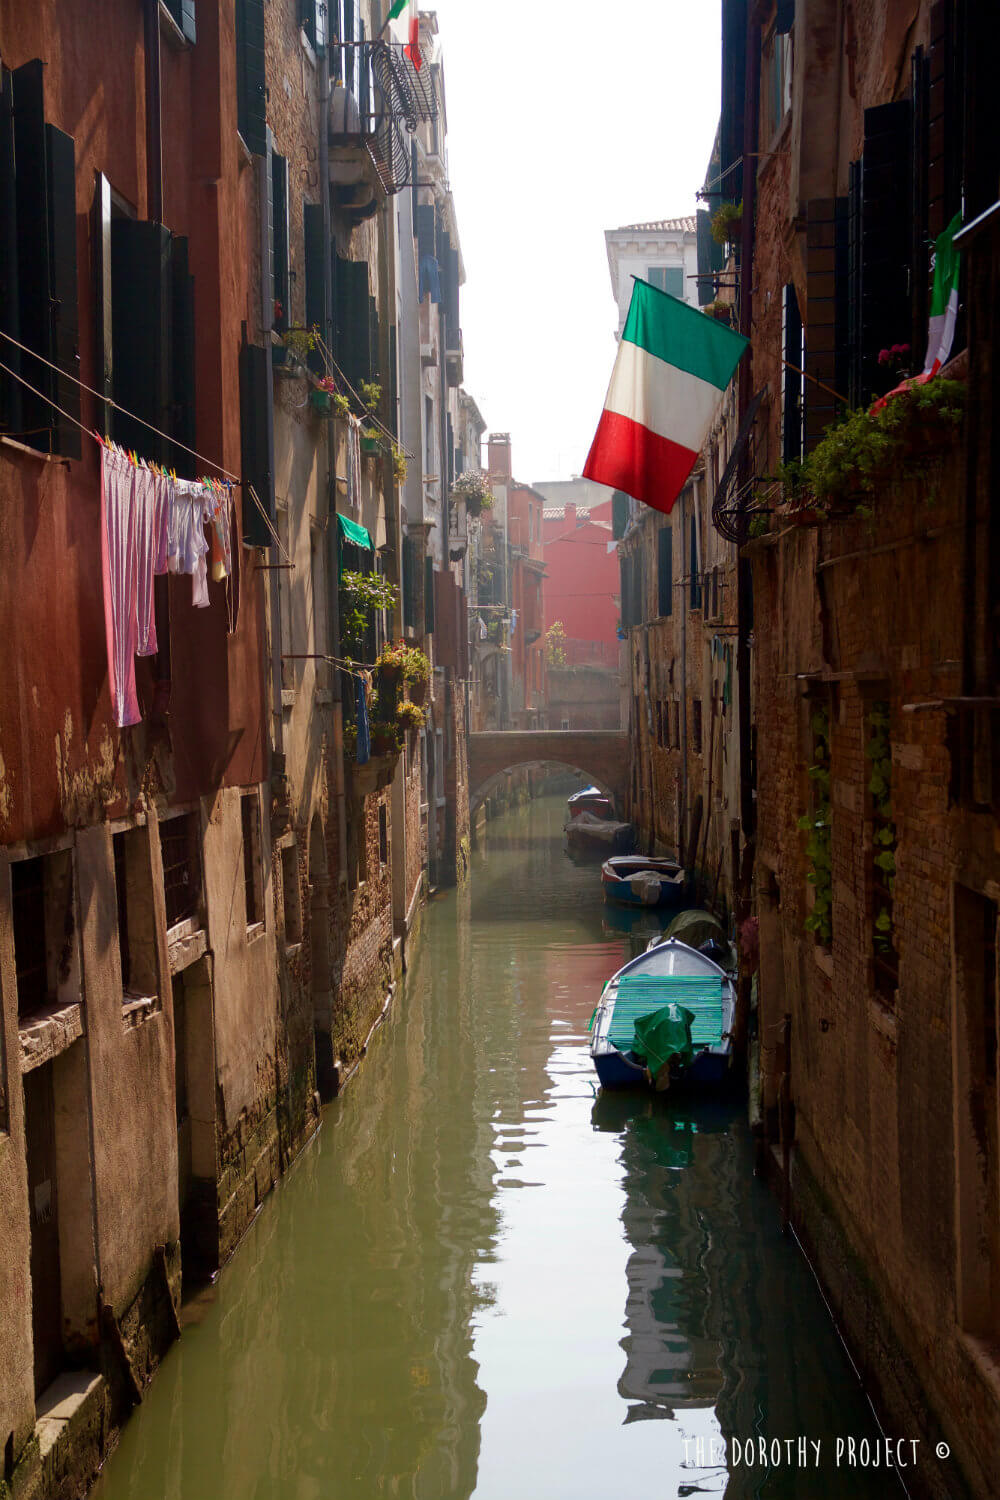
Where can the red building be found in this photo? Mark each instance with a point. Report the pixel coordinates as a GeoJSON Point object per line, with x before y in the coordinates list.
{"type": "Point", "coordinates": [582, 587]}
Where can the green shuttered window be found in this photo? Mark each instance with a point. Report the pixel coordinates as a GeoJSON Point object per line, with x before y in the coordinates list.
{"type": "Point", "coordinates": [251, 90]}
{"type": "Point", "coordinates": [665, 570]}
{"type": "Point", "coordinates": [257, 445]}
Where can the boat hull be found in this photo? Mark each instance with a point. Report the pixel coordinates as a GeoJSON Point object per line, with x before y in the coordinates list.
{"type": "Point", "coordinates": [706, 1070]}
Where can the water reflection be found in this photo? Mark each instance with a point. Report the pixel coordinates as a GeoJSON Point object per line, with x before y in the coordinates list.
{"type": "Point", "coordinates": [484, 1279]}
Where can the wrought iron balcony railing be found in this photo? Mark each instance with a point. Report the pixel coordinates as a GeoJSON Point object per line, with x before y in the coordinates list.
{"type": "Point", "coordinates": [378, 103]}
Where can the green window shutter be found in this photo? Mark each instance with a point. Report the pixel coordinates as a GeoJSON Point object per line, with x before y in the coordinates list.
{"type": "Point", "coordinates": [409, 579]}
{"type": "Point", "coordinates": [312, 19]}
{"type": "Point", "coordinates": [141, 325]}
{"type": "Point", "coordinates": [64, 334]}
{"type": "Point", "coordinates": [279, 239]}
{"type": "Point", "coordinates": [424, 223]}
{"type": "Point", "coordinates": [428, 596]}
{"type": "Point", "coordinates": [791, 380]}
{"type": "Point", "coordinates": [711, 258]}
{"type": "Point", "coordinates": [251, 88]}
{"type": "Point", "coordinates": [10, 389]}
{"type": "Point", "coordinates": [183, 362]}
{"type": "Point", "coordinates": [353, 328]}
{"type": "Point", "coordinates": [665, 570]}
{"type": "Point", "coordinates": [619, 514]}
{"type": "Point", "coordinates": [695, 575]}
{"type": "Point", "coordinates": [315, 253]}
{"type": "Point", "coordinates": [34, 293]}
{"type": "Point", "coordinates": [257, 444]}
{"type": "Point", "coordinates": [625, 569]}
{"type": "Point", "coordinates": [673, 281]}
{"type": "Point", "coordinates": [374, 358]}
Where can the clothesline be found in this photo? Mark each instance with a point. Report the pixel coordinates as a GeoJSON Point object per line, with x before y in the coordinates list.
{"type": "Point", "coordinates": [234, 478]}
{"type": "Point", "coordinates": [370, 417]}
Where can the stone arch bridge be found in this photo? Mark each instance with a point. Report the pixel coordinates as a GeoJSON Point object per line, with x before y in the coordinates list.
{"type": "Point", "coordinates": [601, 755]}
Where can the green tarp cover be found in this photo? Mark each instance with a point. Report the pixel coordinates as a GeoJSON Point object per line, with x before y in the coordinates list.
{"type": "Point", "coordinates": [696, 927]}
{"type": "Point", "coordinates": [702, 995]}
{"type": "Point", "coordinates": [352, 532]}
{"type": "Point", "coordinates": [663, 1035]}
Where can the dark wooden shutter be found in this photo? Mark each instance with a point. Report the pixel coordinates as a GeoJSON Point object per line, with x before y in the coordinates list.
{"type": "Point", "coordinates": [10, 322]}
{"type": "Point", "coordinates": [424, 220]}
{"type": "Point", "coordinates": [944, 122]}
{"type": "Point", "coordinates": [183, 13]}
{"type": "Point", "coordinates": [827, 301]}
{"type": "Point", "coordinates": [257, 443]}
{"type": "Point", "coordinates": [414, 176]}
{"type": "Point", "coordinates": [374, 352]}
{"type": "Point", "coordinates": [34, 291]}
{"type": "Point", "coordinates": [316, 250]}
{"type": "Point", "coordinates": [352, 321]}
{"type": "Point", "coordinates": [409, 579]}
{"type": "Point", "coordinates": [665, 570]}
{"type": "Point", "coordinates": [312, 19]}
{"type": "Point", "coordinates": [451, 450]}
{"type": "Point", "coordinates": [64, 331]}
{"type": "Point", "coordinates": [142, 319]}
{"type": "Point", "coordinates": [711, 258]}
{"type": "Point", "coordinates": [695, 575]}
{"type": "Point", "coordinates": [251, 89]}
{"type": "Point", "coordinates": [350, 58]}
{"type": "Point", "coordinates": [100, 259]}
{"type": "Point", "coordinates": [183, 361]}
{"type": "Point", "coordinates": [279, 238]}
{"type": "Point", "coordinates": [453, 330]}
{"type": "Point", "coordinates": [785, 16]}
{"type": "Point", "coordinates": [919, 242]}
{"type": "Point", "coordinates": [625, 570]}
{"type": "Point", "coordinates": [791, 380]}
{"type": "Point", "coordinates": [428, 596]}
{"type": "Point", "coordinates": [619, 514]}
{"type": "Point", "coordinates": [886, 207]}
{"type": "Point", "coordinates": [393, 396]}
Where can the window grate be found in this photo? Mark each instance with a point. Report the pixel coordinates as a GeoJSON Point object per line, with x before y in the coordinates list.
{"type": "Point", "coordinates": [179, 846]}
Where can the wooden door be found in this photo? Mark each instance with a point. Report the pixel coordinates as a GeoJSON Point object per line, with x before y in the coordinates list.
{"type": "Point", "coordinates": [46, 1282]}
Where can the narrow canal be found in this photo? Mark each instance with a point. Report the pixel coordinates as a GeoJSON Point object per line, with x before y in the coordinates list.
{"type": "Point", "coordinates": [483, 1279]}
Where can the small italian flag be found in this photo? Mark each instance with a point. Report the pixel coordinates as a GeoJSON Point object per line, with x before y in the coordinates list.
{"type": "Point", "coordinates": [673, 366]}
{"type": "Point", "coordinates": [412, 48]}
{"type": "Point", "coordinates": [944, 299]}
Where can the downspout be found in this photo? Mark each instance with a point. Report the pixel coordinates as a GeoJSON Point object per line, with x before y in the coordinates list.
{"type": "Point", "coordinates": [682, 813]}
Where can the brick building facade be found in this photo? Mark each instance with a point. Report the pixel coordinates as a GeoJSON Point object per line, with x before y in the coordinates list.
{"type": "Point", "coordinates": [874, 691]}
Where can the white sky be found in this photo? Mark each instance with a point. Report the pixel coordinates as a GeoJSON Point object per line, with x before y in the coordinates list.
{"type": "Point", "coordinates": [565, 118]}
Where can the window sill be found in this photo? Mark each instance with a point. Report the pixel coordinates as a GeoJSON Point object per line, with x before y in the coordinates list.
{"type": "Point", "coordinates": [138, 1008]}
{"type": "Point", "coordinates": [307, 48]}
{"type": "Point", "coordinates": [171, 32]}
{"type": "Point", "coordinates": [185, 946]}
{"type": "Point", "coordinates": [44, 458]}
{"type": "Point", "coordinates": [48, 1033]}
{"type": "Point", "coordinates": [255, 931]}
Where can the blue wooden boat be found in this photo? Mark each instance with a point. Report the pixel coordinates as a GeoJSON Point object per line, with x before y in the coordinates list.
{"type": "Point", "coordinates": [638, 880]}
{"type": "Point", "coordinates": [669, 992]}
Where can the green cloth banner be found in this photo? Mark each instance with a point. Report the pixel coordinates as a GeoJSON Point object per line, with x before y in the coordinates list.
{"type": "Point", "coordinates": [353, 533]}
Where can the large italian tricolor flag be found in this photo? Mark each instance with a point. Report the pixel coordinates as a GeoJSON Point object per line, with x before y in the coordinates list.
{"type": "Point", "coordinates": [673, 365]}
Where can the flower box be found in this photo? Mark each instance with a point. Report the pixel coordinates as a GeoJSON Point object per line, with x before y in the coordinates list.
{"type": "Point", "coordinates": [320, 401]}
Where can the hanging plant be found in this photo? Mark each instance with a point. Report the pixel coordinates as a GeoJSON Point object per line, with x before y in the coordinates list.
{"type": "Point", "coordinates": [866, 450]}
{"type": "Point", "coordinates": [818, 825]}
{"type": "Point", "coordinates": [370, 440]}
{"type": "Point", "coordinates": [726, 222]}
{"type": "Point", "coordinates": [399, 464]}
{"type": "Point", "coordinates": [361, 595]}
{"type": "Point", "coordinates": [721, 311]}
{"type": "Point", "coordinates": [370, 392]}
{"type": "Point", "coordinates": [474, 490]}
{"type": "Point", "coordinates": [300, 343]}
{"type": "Point", "coordinates": [411, 716]}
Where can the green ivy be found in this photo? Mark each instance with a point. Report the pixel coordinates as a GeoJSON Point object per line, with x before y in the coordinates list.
{"type": "Point", "coordinates": [818, 823]}
{"type": "Point", "coordinates": [361, 594]}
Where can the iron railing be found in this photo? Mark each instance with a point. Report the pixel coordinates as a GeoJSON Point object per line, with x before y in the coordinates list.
{"type": "Point", "coordinates": [384, 100]}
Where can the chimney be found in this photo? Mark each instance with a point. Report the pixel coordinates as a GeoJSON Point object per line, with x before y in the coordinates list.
{"type": "Point", "coordinates": [499, 457]}
{"type": "Point", "coordinates": [570, 513]}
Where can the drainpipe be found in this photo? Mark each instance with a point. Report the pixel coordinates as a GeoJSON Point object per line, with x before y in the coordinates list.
{"type": "Point", "coordinates": [682, 812]}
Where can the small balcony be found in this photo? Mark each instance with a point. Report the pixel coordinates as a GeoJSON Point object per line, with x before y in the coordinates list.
{"type": "Point", "coordinates": [375, 107]}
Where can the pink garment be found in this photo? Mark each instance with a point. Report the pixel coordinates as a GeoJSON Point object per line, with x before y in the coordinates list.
{"type": "Point", "coordinates": [145, 549]}
{"type": "Point", "coordinates": [119, 573]}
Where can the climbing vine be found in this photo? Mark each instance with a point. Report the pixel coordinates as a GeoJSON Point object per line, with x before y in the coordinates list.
{"type": "Point", "coordinates": [878, 751]}
{"type": "Point", "coordinates": [817, 823]}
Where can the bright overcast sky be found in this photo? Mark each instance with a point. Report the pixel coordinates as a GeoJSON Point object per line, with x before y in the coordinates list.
{"type": "Point", "coordinates": [564, 120]}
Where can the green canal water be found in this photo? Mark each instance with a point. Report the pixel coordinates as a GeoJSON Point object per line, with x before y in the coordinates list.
{"type": "Point", "coordinates": [482, 1278]}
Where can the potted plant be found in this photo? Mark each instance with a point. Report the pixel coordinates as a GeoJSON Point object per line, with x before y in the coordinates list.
{"type": "Point", "coordinates": [361, 594]}
{"type": "Point", "coordinates": [474, 490]}
{"type": "Point", "coordinates": [391, 662]}
{"type": "Point", "coordinates": [726, 223]}
{"type": "Point", "coordinates": [411, 716]}
{"type": "Point", "coordinates": [399, 465]}
{"type": "Point", "coordinates": [370, 441]}
{"type": "Point", "coordinates": [300, 343]}
{"type": "Point", "coordinates": [385, 739]}
{"type": "Point", "coordinates": [341, 405]}
{"type": "Point", "coordinates": [722, 312]}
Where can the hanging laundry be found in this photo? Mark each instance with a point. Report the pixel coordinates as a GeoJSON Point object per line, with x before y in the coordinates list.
{"type": "Point", "coordinates": [430, 279]}
{"type": "Point", "coordinates": [118, 571]}
{"type": "Point", "coordinates": [187, 545]}
{"type": "Point", "coordinates": [354, 465]}
{"type": "Point", "coordinates": [363, 751]}
{"type": "Point", "coordinates": [145, 500]}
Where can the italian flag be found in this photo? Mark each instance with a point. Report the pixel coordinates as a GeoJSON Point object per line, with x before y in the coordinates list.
{"type": "Point", "coordinates": [673, 365]}
{"type": "Point", "coordinates": [412, 48]}
{"type": "Point", "coordinates": [944, 299]}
